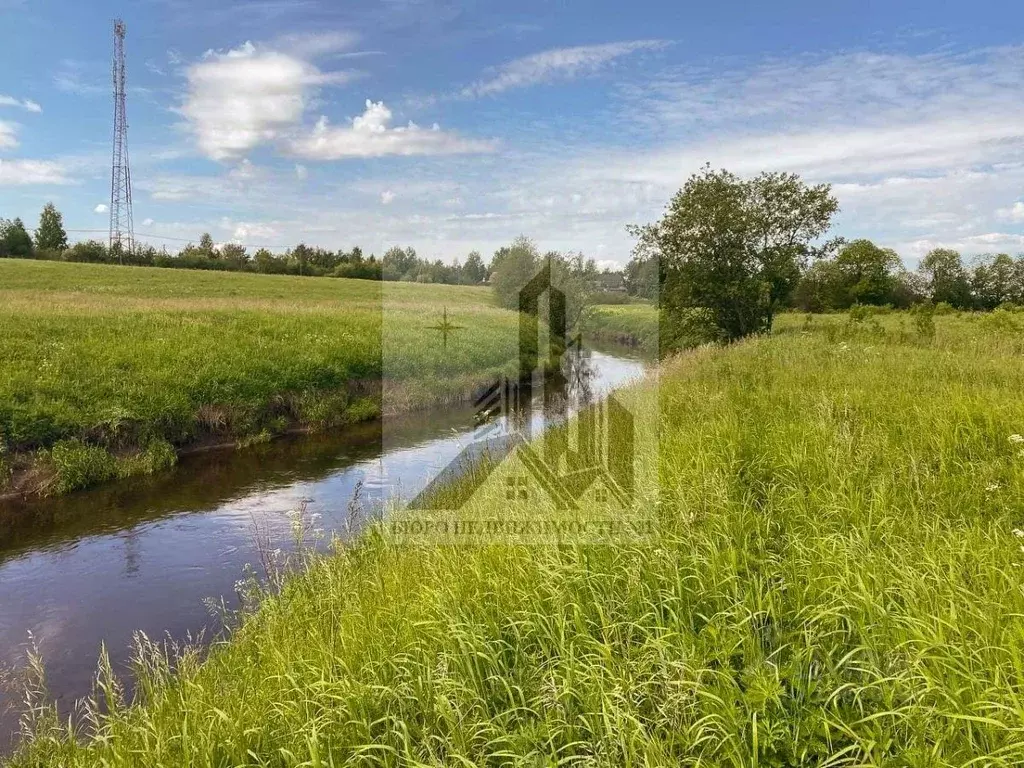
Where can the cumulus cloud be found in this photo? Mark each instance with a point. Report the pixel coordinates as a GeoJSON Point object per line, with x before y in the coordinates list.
{"type": "Point", "coordinates": [147, 222]}
{"type": "Point", "coordinates": [301, 172]}
{"type": "Point", "coordinates": [555, 64]}
{"type": "Point", "coordinates": [8, 139]}
{"type": "Point", "coordinates": [370, 136]}
{"type": "Point", "coordinates": [32, 172]}
{"type": "Point", "coordinates": [248, 96]}
{"type": "Point", "coordinates": [387, 197]}
{"type": "Point", "coordinates": [27, 104]}
{"type": "Point", "coordinates": [101, 208]}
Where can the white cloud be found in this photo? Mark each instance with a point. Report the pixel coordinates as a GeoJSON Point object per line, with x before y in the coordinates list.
{"type": "Point", "coordinates": [371, 136]}
{"type": "Point", "coordinates": [147, 222]}
{"type": "Point", "coordinates": [1013, 213]}
{"type": "Point", "coordinates": [555, 64]}
{"type": "Point", "coordinates": [314, 44]}
{"type": "Point", "coordinates": [26, 104]}
{"type": "Point", "coordinates": [247, 231]}
{"type": "Point", "coordinates": [387, 197]}
{"type": "Point", "coordinates": [248, 96]}
{"type": "Point", "coordinates": [245, 171]}
{"type": "Point", "coordinates": [8, 137]}
{"type": "Point", "coordinates": [32, 172]}
{"type": "Point", "coordinates": [301, 172]}
{"type": "Point", "coordinates": [101, 208]}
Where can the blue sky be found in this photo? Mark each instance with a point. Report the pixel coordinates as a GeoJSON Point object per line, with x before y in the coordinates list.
{"type": "Point", "coordinates": [453, 126]}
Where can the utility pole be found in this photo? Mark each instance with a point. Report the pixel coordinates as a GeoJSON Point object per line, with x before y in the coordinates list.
{"type": "Point", "coordinates": [121, 228]}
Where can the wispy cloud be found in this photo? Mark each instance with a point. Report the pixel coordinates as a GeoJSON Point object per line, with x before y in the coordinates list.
{"type": "Point", "coordinates": [77, 78]}
{"type": "Point", "coordinates": [27, 104]}
{"type": "Point", "coordinates": [312, 45]}
{"type": "Point", "coordinates": [8, 135]}
{"type": "Point", "coordinates": [370, 135]}
{"type": "Point", "coordinates": [32, 172]}
{"type": "Point", "coordinates": [554, 65]}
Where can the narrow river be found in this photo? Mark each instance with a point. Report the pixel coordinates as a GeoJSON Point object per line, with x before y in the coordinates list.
{"type": "Point", "coordinates": [97, 566]}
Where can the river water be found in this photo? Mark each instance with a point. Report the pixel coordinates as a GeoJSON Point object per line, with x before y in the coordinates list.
{"type": "Point", "coordinates": [147, 554]}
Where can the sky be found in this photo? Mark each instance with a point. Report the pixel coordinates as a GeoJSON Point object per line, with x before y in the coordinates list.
{"type": "Point", "coordinates": [454, 126]}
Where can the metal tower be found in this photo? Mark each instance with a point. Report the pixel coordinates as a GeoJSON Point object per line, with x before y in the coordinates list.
{"type": "Point", "coordinates": [121, 228]}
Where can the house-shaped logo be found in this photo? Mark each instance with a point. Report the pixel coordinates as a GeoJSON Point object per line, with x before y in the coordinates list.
{"type": "Point", "coordinates": [591, 457]}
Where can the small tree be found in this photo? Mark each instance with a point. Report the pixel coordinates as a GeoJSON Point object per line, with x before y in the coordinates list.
{"type": "Point", "coordinates": [733, 249]}
{"type": "Point", "coordinates": [474, 271]}
{"type": "Point", "coordinates": [206, 246]}
{"type": "Point", "coordinates": [51, 235]}
{"type": "Point", "coordinates": [514, 265]}
{"type": "Point", "coordinates": [14, 239]}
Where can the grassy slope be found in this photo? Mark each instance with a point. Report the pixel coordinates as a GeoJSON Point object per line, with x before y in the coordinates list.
{"type": "Point", "coordinates": [633, 324]}
{"type": "Point", "coordinates": [836, 575]}
{"type": "Point", "coordinates": [120, 356]}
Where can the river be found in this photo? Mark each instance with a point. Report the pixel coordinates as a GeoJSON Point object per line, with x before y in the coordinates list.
{"type": "Point", "coordinates": [96, 566]}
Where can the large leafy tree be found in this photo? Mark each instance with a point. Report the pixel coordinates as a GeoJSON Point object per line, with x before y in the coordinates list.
{"type": "Point", "coordinates": [14, 239]}
{"type": "Point", "coordinates": [734, 248]}
{"type": "Point", "coordinates": [51, 235]}
{"type": "Point", "coordinates": [993, 280]}
{"type": "Point", "coordinates": [868, 273]}
{"type": "Point", "coordinates": [946, 277]}
{"type": "Point", "coordinates": [399, 263]}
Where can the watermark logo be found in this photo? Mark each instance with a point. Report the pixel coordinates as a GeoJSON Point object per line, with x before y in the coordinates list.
{"type": "Point", "coordinates": [548, 460]}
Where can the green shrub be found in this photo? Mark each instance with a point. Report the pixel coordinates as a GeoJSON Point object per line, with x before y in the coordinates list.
{"type": "Point", "coordinates": [157, 456]}
{"type": "Point", "coordinates": [77, 465]}
{"type": "Point", "coordinates": [924, 319]}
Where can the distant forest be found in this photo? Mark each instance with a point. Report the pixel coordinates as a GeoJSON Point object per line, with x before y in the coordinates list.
{"type": "Point", "coordinates": [857, 272]}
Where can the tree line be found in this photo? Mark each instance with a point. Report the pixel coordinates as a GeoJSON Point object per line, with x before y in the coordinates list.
{"type": "Point", "coordinates": [729, 253]}
{"type": "Point", "coordinates": [51, 243]}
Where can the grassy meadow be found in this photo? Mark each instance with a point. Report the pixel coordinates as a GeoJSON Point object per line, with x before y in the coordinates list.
{"type": "Point", "coordinates": [107, 371]}
{"type": "Point", "coordinates": [834, 579]}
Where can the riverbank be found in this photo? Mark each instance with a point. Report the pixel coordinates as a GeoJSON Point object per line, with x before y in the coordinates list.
{"type": "Point", "coordinates": [833, 578]}
{"type": "Point", "coordinates": [115, 371]}
{"type": "Point", "coordinates": [632, 325]}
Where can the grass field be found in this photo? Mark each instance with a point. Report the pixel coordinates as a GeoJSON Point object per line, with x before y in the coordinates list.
{"type": "Point", "coordinates": [835, 579]}
{"type": "Point", "coordinates": [107, 371]}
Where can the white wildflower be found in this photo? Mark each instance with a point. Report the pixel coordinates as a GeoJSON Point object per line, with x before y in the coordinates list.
{"type": "Point", "coordinates": [1016, 438]}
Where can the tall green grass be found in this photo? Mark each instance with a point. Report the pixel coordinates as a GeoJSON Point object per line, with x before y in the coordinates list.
{"type": "Point", "coordinates": [835, 579]}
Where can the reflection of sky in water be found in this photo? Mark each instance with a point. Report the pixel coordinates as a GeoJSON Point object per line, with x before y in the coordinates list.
{"type": "Point", "coordinates": [152, 574]}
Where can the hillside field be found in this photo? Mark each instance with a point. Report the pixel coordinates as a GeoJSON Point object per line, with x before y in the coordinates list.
{"type": "Point", "coordinates": [107, 371]}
